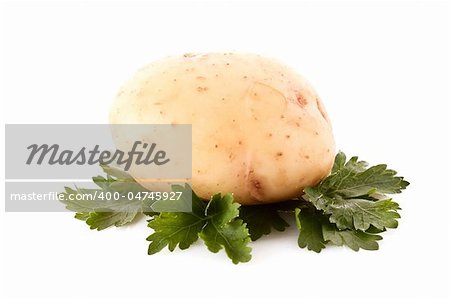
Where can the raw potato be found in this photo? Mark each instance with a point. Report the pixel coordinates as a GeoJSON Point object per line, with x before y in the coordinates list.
{"type": "Point", "coordinates": [259, 130]}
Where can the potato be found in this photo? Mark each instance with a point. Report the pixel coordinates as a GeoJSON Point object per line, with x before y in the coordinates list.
{"type": "Point", "coordinates": [259, 130]}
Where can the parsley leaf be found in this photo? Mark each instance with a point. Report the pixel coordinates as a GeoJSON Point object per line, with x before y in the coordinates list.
{"type": "Point", "coordinates": [177, 228]}
{"type": "Point", "coordinates": [172, 229]}
{"type": "Point", "coordinates": [354, 239]}
{"type": "Point", "coordinates": [353, 178]}
{"type": "Point", "coordinates": [98, 213]}
{"type": "Point", "coordinates": [102, 220]}
{"type": "Point", "coordinates": [350, 195]}
{"type": "Point", "coordinates": [309, 223]}
{"type": "Point", "coordinates": [361, 214]}
{"type": "Point", "coordinates": [261, 219]}
{"type": "Point", "coordinates": [355, 213]}
{"type": "Point", "coordinates": [315, 231]}
{"type": "Point", "coordinates": [223, 230]}
{"type": "Point", "coordinates": [216, 223]}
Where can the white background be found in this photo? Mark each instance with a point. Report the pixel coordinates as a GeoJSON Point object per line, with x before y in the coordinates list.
{"type": "Point", "coordinates": [382, 70]}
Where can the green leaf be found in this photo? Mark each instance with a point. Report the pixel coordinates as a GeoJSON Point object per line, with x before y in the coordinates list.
{"type": "Point", "coordinates": [216, 223]}
{"type": "Point", "coordinates": [100, 213]}
{"type": "Point", "coordinates": [117, 173]}
{"type": "Point", "coordinates": [260, 219]}
{"type": "Point", "coordinates": [102, 220]}
{"type": "Point", "coordinates": [315, 231]}
{"type": "Point", "coordinates": [353, 179]}
{"type": "Point", "coordinates": [354, 239]}
{"type": "Point", "coordinates": [354, 195]}
{"type": "Point", "coordinates": [223, 230]}
{"type": "Point", "coordinates": [361, 214]}
{"type": "Point", "coordinates": [356, 213]}
{"type": "Point", "coordinates": [339, 162]}
{"type": "Point", "coordinates": [172, 229]}
{"type": "Point", "coordinates": [82, 216]}
{"type": "Point", "coordinates": [177, 228]}
{"type": "Point", "coordinates": [309, 223]}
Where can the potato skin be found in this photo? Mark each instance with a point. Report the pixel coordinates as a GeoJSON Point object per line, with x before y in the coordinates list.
{"type": "Point", "coordinates": [259, 130]}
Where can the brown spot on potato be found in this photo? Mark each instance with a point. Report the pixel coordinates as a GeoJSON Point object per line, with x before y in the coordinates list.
{"type": "Point", "coordinates": [189, 55]}
{"type": "Point", "coordinates": [270, 134]}
{"type": "Point", "coordinates": [202, 89]}
{"type": "Point", "coordinates": [306, 157]}
{"type": "Point", "coordinates": [256, 185]}
{"type": "Point", "coordinates": [301, 100]}
{"type": "Point", "coordinates": [288, 136]}
{"type": "Point", "coordinates": [240, 142]}
{"type": "Point", "coordinates": [256, 190]}
{"type": "Point", "coordinates": [279, 154]}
